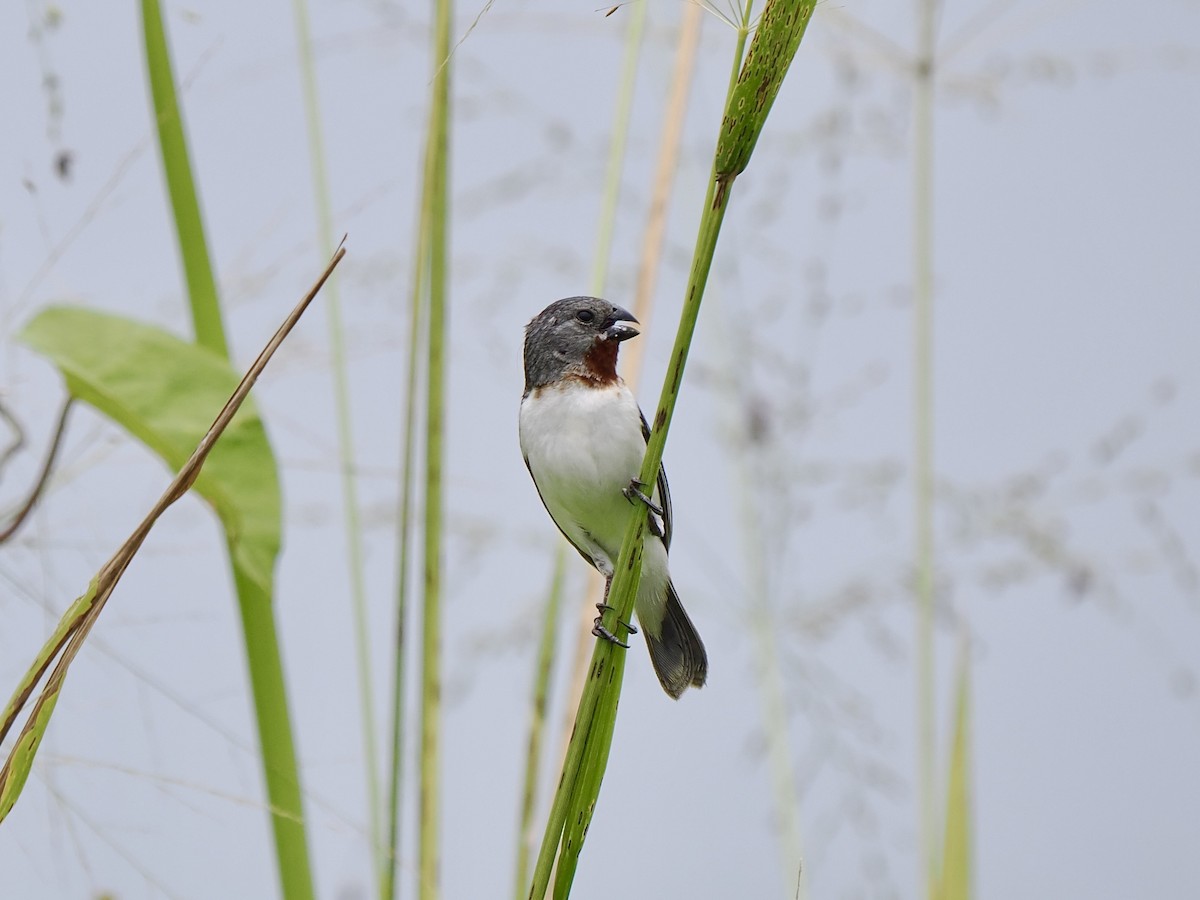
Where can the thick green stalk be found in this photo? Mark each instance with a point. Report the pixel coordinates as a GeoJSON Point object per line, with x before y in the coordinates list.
{"type": "Point", "coordinates": [189, 224]}
{"type": "Point", "coordinates": [263, 658]}
{"type": "Point", "coordinates": [923, 75]}
{"type": "Point", "coordinates": [275, 737]}
{"type": "Point", "coordinates": [537, 720]}
{"type": "Point", "coordinates": [428, 862]}
{"type": "Point", "coordinates": [352, 519]}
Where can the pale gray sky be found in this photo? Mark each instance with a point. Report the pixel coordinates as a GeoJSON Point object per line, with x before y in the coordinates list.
{"type": "Point", "coordinates": [1068, 392]}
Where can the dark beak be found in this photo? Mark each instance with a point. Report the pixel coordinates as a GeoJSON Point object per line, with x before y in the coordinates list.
{"type": "Point", "coordinates": [620, 325]}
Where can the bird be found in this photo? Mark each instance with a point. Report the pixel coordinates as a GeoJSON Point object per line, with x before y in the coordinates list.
{"type": "Point", "coordinates": [583, 437]}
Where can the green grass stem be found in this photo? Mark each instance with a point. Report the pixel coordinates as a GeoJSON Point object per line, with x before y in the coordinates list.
{"type": "Point", "coordinates": [537, 719]}
{"type": "Point", "coordinates": [954, 871]}
{"type": "Point", "coordinates": [181, 187]}
{"type": "Point", "coordinates": [439, 127]}
{"type": "Point", "coordinates": [404, 519]}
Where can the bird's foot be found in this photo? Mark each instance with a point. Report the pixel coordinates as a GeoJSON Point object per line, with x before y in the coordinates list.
{"type": "Point", "coordinates": [604, 607]}
{"type": "Point", "coordinates": [600, 631]}
{"type": "Point", "coordinates": [635, 492]}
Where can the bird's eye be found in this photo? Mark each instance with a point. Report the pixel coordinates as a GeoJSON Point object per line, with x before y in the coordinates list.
{"type": "Point", "coordinates": [585, 316]}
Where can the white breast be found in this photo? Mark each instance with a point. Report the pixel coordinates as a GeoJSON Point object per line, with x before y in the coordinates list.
{"type": "Point", "coordinates": [584, 445]}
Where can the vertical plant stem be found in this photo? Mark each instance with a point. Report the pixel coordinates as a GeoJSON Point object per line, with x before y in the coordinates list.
{"type": "Point", "coordinates": [537, 720]}
{"type": "Point", "coordinates": [263, 658]}
{"type": "Point", "coordinates": [954, 871]}
{"type": "Point", "coordinates": [185, 206]}
{"type": "Point", "coordinates": [275, 737]}
{"type": "Point", "coordinates": [923, 82]}
{"type": "Point", "coordinates": [345, 432]}
{"type": "Point", "coordinates": [404, 519]}
{"type": "Point", "coordinates": [428, 862]}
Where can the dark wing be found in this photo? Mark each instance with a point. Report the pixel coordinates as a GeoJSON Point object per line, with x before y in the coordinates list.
{"type": "Point", "coordinates": [662, 529]}
{"type": "Point", "coordinates": [586, 556]}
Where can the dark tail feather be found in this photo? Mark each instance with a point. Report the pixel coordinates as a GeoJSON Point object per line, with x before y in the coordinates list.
{"type": "Point", "coordinates": [677, 652]}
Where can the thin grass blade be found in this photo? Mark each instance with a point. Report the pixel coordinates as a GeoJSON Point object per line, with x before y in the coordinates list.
{"type": "Point", "coordinates": [429, 814]}
{"type": "Point", "coordinates": [954, 879]}
{"type": "Point", "coordinates": [537, 719]}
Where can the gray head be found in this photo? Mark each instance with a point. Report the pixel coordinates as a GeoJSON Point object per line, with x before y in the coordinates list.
{"type": "Point", "coordinates": [577, 336]}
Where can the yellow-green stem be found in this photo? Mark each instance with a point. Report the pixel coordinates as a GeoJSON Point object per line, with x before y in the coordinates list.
{"type": "Point", "coordinates": [537, 719]}
{"type": "Point", "coordinates": [404, 517]}
{"type": "Point", "coordinates": [429, 814]}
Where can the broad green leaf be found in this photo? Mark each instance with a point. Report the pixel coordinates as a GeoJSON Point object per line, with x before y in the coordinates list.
{"type": "Point", "coordinates": [954, 879]}
{"type": "Point", "coordinates": [166, 392]}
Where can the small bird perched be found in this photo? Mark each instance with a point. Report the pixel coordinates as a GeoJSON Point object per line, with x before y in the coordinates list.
{"type": "Point", "coordinates": [583, 438]}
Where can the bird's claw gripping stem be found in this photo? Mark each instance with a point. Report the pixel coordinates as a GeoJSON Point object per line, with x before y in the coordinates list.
{"type": "Point", "coordinates": [634, 491]}
{"type": "Point", "coordinates": [600, 631]}
{"type": "Point", "coordinates": [604, 607]}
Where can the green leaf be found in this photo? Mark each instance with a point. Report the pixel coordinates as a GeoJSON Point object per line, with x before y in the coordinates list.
{"type": "Point", "coordinates": [20, 761]}
{"type": "Point", "coordinates": [67, 624]}
{"type": "Point", "coordinates": [165, 392]}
